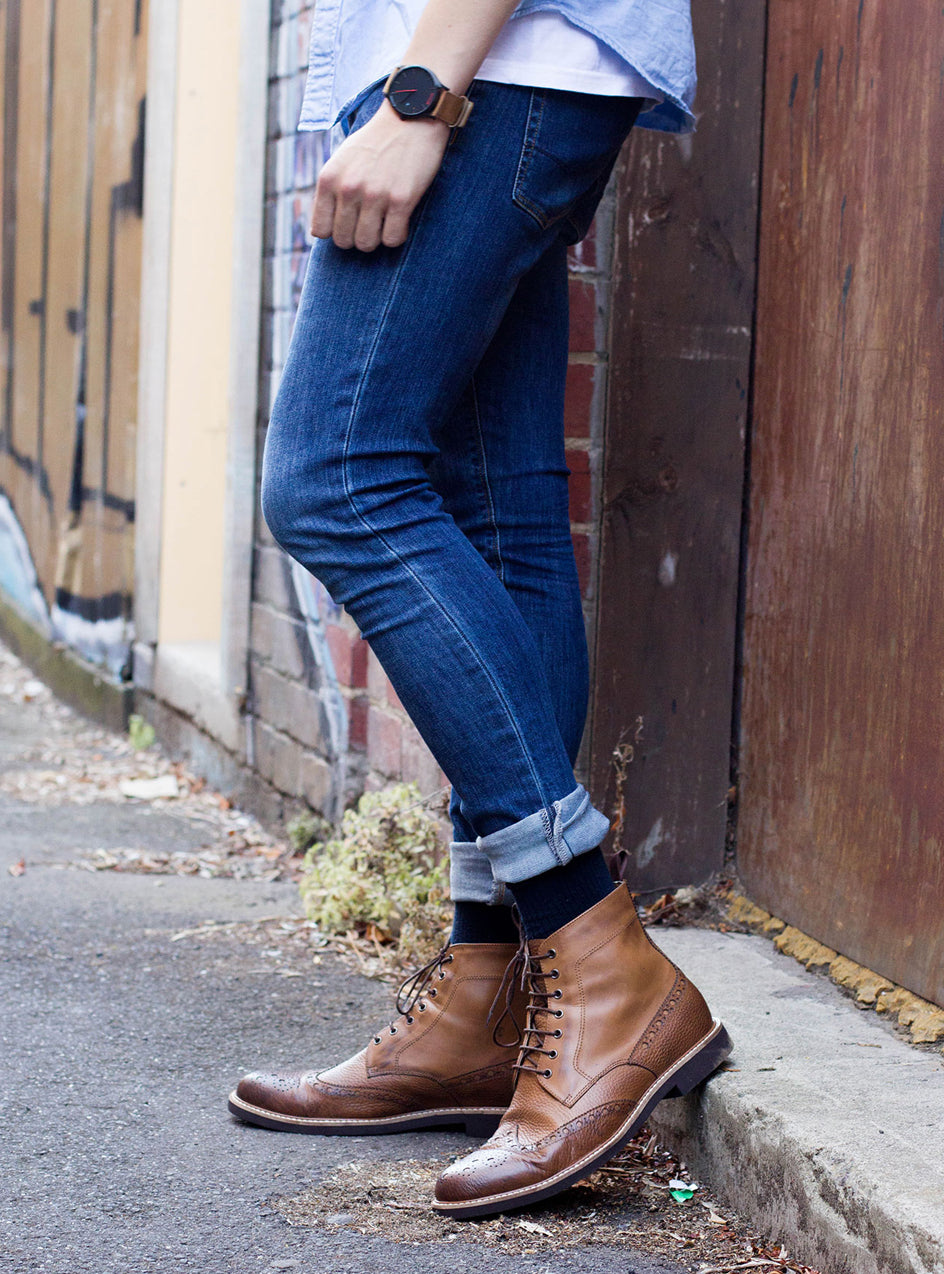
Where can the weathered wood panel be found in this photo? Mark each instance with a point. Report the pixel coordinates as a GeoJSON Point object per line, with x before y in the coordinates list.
{"type": "Point", "coordinates": [67, 215]}
{"type": "Point", "coordinates": [30, 93]}
{"type": "Point", "coordinates": [842, 821]}
{"type": "Point", "coordinates": [73, 119]}
{"type": "Point", "coordinates": [680, 353]}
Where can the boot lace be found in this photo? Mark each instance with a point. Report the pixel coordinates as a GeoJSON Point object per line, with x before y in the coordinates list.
{"type": "Point", "coordinates": [416, 985]}
{"type": "Point", "coordinates": [542, 1003]}
{"type": "Point", "coordinates": [506, 990]}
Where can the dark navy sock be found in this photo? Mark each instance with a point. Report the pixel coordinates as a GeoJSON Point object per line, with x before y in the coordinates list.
{"type": "Point", "coordinates": [551, 900]}
{"type": "Point", "coordinates": [478, 922]}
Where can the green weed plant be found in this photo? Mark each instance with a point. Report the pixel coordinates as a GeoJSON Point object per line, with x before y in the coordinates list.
{"type": "Point", "coordinates": [382, 873]}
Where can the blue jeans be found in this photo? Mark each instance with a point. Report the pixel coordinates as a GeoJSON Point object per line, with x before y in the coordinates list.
{"type": "Point", "coordinates": [415, 464]}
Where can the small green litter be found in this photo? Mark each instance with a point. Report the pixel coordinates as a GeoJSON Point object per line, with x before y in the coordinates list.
{"type": "Point", "coordinates": [681, 1191]}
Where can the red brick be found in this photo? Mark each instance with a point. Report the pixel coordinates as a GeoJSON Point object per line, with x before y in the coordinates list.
{"type": "Point", "coordinates": [578, 485]}
{"type": "Point", "coordinates": [359, 652]}
{"type": "Point", "coordinates": [583, 314]}
{"type": "Point", "coordinates": [384, 739]}
{"type": "Point", "coordinates": [419, 764]}
{"type": "Point", "coordinates": [343, 646]}
{"type": "Point", "coordinates": [578, 399]}
{"type": "Point", "coordinates": [357, 722]}
{"type": "Point", "coordinates": [582, 554]}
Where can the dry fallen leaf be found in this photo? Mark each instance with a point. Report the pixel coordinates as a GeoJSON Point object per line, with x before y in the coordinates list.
{"type": "Point", "coordinates": [534, 1228]}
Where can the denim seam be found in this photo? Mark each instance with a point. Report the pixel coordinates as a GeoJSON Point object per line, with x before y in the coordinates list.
{"type": "Point", "coordinates": [531, 132]}
{"type": "Point", "coordinates": [549, 835]}
{"type": "Point", "coordinates": [489, 502]}
{"type": "Point", "coordinates": [382, 538]}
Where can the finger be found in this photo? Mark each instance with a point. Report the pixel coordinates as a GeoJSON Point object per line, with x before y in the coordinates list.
{"type": "Point", "coordinates": [346, 212]}
{"type": "Point", "coordinates": [323, 211]}
{"type": "Point", "coordinates": [396, 224]}
{"type": "Point", "coordinates": [368, 228]}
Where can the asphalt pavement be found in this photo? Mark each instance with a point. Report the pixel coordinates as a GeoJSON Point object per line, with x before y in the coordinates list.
{"type": "Point", "coordinates": [122, 1033]}
{"type": "Point", "coordinates": [132, 1001]}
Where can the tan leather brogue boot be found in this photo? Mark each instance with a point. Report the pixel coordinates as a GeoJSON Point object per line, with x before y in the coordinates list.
{"type": "Point", "coordinates": [439, 1064]}
{"type": "Point", "coordinates": [612, 1027]}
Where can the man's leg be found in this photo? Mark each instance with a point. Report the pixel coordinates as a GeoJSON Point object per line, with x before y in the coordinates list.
{"type": "Point", "coordinates": [384, 348]}
{"type": "Point", "coordinates": [501, 471]}
{"type": "Point", "coordinates": [385, 345]}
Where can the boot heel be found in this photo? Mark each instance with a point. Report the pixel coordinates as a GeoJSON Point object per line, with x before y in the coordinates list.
{"type": "Point", "coordinates": [699, 1067]}
{"type": "Point", "coordinates": [481, 1125]}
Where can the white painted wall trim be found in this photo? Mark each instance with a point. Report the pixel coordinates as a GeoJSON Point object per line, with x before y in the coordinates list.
{"type": "Point", "coordinates": [255, 17]}
{"type": "Point", "coordinates": [155, 292]}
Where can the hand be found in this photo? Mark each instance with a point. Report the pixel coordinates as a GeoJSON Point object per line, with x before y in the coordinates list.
{"type": "Point", "coordinates": [368, 189]}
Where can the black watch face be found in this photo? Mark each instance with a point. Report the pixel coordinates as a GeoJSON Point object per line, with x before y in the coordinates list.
{"type": "Point", "coordinates": [413, 91]}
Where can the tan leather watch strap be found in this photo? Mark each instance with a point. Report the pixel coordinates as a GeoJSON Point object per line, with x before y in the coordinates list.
{"type": "Point", "coordinates": [452, 109]}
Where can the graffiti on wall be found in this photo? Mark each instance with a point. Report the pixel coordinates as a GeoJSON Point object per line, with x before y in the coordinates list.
{"type": "Point", "coordinates": [73, 103]}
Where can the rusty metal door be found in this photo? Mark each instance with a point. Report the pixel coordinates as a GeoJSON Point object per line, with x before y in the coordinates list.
{"type": "Point", "coordinates": [674, 466]}
{"type": "Point", "coordinates": [842, 821]}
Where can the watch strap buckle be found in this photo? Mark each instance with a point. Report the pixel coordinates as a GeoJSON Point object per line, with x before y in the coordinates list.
{"type": "Point", "coordinates": [452, 109]}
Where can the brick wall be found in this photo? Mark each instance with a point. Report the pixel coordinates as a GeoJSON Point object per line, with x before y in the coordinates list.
{"type": "Point", "coordinates": [326, 721]}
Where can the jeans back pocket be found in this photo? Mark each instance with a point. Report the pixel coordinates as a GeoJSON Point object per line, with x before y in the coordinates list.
{"type": "Point", "coordinates": [571, 142]}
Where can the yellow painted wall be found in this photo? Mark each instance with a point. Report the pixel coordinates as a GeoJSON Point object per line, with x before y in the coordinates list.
{"type": "Point", "coordinates": [199, 335]}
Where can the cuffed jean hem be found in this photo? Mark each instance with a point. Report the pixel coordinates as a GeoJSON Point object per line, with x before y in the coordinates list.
{"type": "Point", "coordinates": [547, 839]}
{"type": "Point", "coordinates": [470, 876]}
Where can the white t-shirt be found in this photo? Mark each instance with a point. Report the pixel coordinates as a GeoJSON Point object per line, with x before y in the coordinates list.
{"type": "Point", "coordinates": [545, 50]}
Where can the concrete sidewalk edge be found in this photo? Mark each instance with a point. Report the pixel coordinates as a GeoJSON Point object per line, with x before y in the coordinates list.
{"type": "Point", "coordinates": [827, 1130]}
{"type": "Point", "coordinates": [824, 1209]}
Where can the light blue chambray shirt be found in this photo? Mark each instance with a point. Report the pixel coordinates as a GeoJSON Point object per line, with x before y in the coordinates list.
{"type": "Point", "coordinates": [352, 43]}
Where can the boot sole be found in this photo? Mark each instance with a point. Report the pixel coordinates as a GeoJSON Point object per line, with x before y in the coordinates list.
{"type": "Point", "coordinates": [478, 1123]}
{"type": "Point", "coordinates": [692, 1069]}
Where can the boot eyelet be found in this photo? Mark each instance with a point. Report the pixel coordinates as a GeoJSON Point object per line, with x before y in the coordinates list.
{"type": "Point", "coordinates": [421, 1007]}
{"type": "Point", "coordinates": [409, 1021]}
{"type": "Point", "coordinates": [393, 1030]}
{"type": "Point", "coordinates": [376, 1039]}
{"type": "Point", "coordinates": [551, 954]}
{"type": "Point", "coordinates": [558, 1012]}
{"type": "Point", "coordinates": [558, 994]}
{"type": "Point", "coordinates": [558, 1033]}
{"type": "Point", "coordinates": [554, 973]}
{"type": "Point", "coordinates": [433, 993]}
{"type": "Point", "coordinates": [547, 1074]}
{"type": "Point", "coordinates": [552, 1053]}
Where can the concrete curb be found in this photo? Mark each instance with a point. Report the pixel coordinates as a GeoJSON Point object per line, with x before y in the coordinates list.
{"type": "Point", "coordinates": [88, 689]}
{"type": "Point", "coordinates": [923, 1020]}
{"type": "Point", "coordinates": [827, 1130]}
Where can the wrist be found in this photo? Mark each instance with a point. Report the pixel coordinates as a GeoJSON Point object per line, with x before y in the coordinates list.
{"type": "Point", "coordinates": [415, 92]}
{"type": "Point", "coordinates": [396, 122]}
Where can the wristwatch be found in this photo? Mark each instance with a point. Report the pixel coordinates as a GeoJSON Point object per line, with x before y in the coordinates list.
{"type": "Point", "coordinates": [414, 93]}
